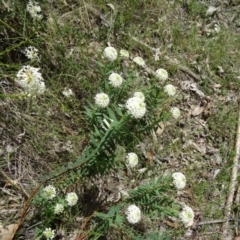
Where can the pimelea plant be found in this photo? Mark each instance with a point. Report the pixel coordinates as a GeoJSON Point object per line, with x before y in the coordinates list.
{"type": "Point", "coordinates": [31, 80]}
{"type": "Point", "coordinates": [34, 10]}
{"type": "Point", "coordinates": [55, 35]}
{"type": "Point", "coordinates": [175, 112]}
{"type": "Point", "coordinates": [52, 206]}
{"type": "Point", "coordinates": [162, 74]}
{"type": "Point", "coordinates": [32, 53]}
{"type": "Point", "coordinates": [120, 115]}
{"type": "Point", "coordinates": [131, 160]}
{"type": "Point", "coordinates": [179, 180]}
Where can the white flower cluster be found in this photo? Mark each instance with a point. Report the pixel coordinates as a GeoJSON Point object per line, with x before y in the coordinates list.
{"type": "Point", "coordinates": [162, 74]}
{"type": "Point", "coordinates": [132, 159]}
{"type": "Point", "coordinates": [187, 216]}
{"type": "Point", "coordinates": [49, 192]}
{"type": "Point", "coordinates": [179, 180]}
{"type": "Point", "coordinates": [34, 9]}
{"type": "Point", "coordinates": [110, 53]}
{"type": "Point", "coordinates": [31, 53]}
{"type": "Point", "coordinates": [67, 92]}
{"type": "Point", "coordinates": [58, 209]}
{"type": "Point", "coordinates": [71, 198]}
{"type": "Point", "coordinates": [170, 89]}
{"type": "Point", "coordinates": [124, 53]}
{"type": "Point", "coordinates": [102, 100]}
{"type": "Point", "coordinates": [139, 61]}
{"type": "Point", "coordinates": [115, 80]}
{"type": "Point", "coordinates": [139, 95]}
{"type": "Point", "coordinates": [175, 112]}
{"type": "Point", "coordinates": [30, 79]}
{"type": "Point", "coordinates": [136, 107]}
{"type": "Point", "coordinates": [133, 214]}
{"type": "Point", "coordinates": [49, 233]}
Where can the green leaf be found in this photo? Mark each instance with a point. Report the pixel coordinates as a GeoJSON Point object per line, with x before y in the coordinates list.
{"type": "Point", "coordinates": [96, 133]}
{"type": "Point", "coordinates": [88, 112]}
{"type": "Point", "coordinates": [101, 215]}
{"type": "Point", "coordinates": [111, 114]}
{"type": "Point", "coordinates": [118, 110]}
{"type": "Point", "coordinates": [119, 220]}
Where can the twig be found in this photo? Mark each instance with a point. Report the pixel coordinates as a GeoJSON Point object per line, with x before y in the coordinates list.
{"type": "Point", "coordinates": [209, 233]}
{"type": "Point", "coordinates": [211, 222]}
{"type": "Point", "coordinates": [83, 235]}
{"type": "Point", "coordinates": [233, 182]}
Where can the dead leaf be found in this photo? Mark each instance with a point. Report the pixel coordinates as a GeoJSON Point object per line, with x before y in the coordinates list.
{"type": "Point", "coordinates": [111, 6]}
{"type": "Point", "coordinates": [204, 108]}
{"type": "Point", "coordinates": [6, 233]}
{"type": "Point", "coordinates": [157, 54]}
{"type": "Point", "coordinates": [160, 129]}
{"type": "Point", "coordinates": [197, 111]}
{"type": "Point", "coordinates": [216, 86]}
{"type": "Point", "coordinates": [189, 85]}
{"type": "Point", "coordinates": [172, 224]}
{"type": "Point", "coordinates": [150, 157]}
{"type": "Point", "coordinates": [211, 10]}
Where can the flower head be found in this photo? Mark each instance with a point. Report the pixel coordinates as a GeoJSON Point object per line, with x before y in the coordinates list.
{"type": "Point", "coordinates": [49, 192]}
{"type": "Point", "coordinates": [34, 9]}
{"type": "Point", "coordinates": [175, 112]}
{"type": "Point", "coordinates": [124, 53]}
{"type": "Point", "coordinates": [58, 208]}
{"type": "Point", "coordinates": [30, 79]}
{"type": "Point", "coordinates": [170, 89]}
{"type": "Point", "coordinates": [110, 53]}
{"type": "Point", "coordinates": [186, 215]}
{"type": "Point", "coordinates": [115, 80]}
{"type": "Point", "coordinates": [133, 214]}
{"type": "Point", "coordinates": [132, 159]}
{"type": "Point", "coordinates": [139, 95]}
{"type": "Point", "coordinates": [71, 198]}
{"type": "Point", "coordinates": [136, 107]}
{"type": "Point", "coordinates": [162, 74]}
{"type": "Point", "coordinates": [31, 53]}
{"type": "Point", "coordinates": [179, 180]}
{"type": "Point", "coordinates": [139, 61]}
{"type": "Point", "coordinates": [49, 233]}
{"type": "Point", "coordinates": [67, 92]}
{"type": "Point", "coordinates": [102, 100]}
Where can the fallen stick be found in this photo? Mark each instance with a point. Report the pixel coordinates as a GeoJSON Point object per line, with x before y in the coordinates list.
{"type": "Point", "coordinates": [211, 222]}
{"type": "Point", "coordinates": [216, 221]}
{"type": "Point", "coordinates": [233, 182]}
